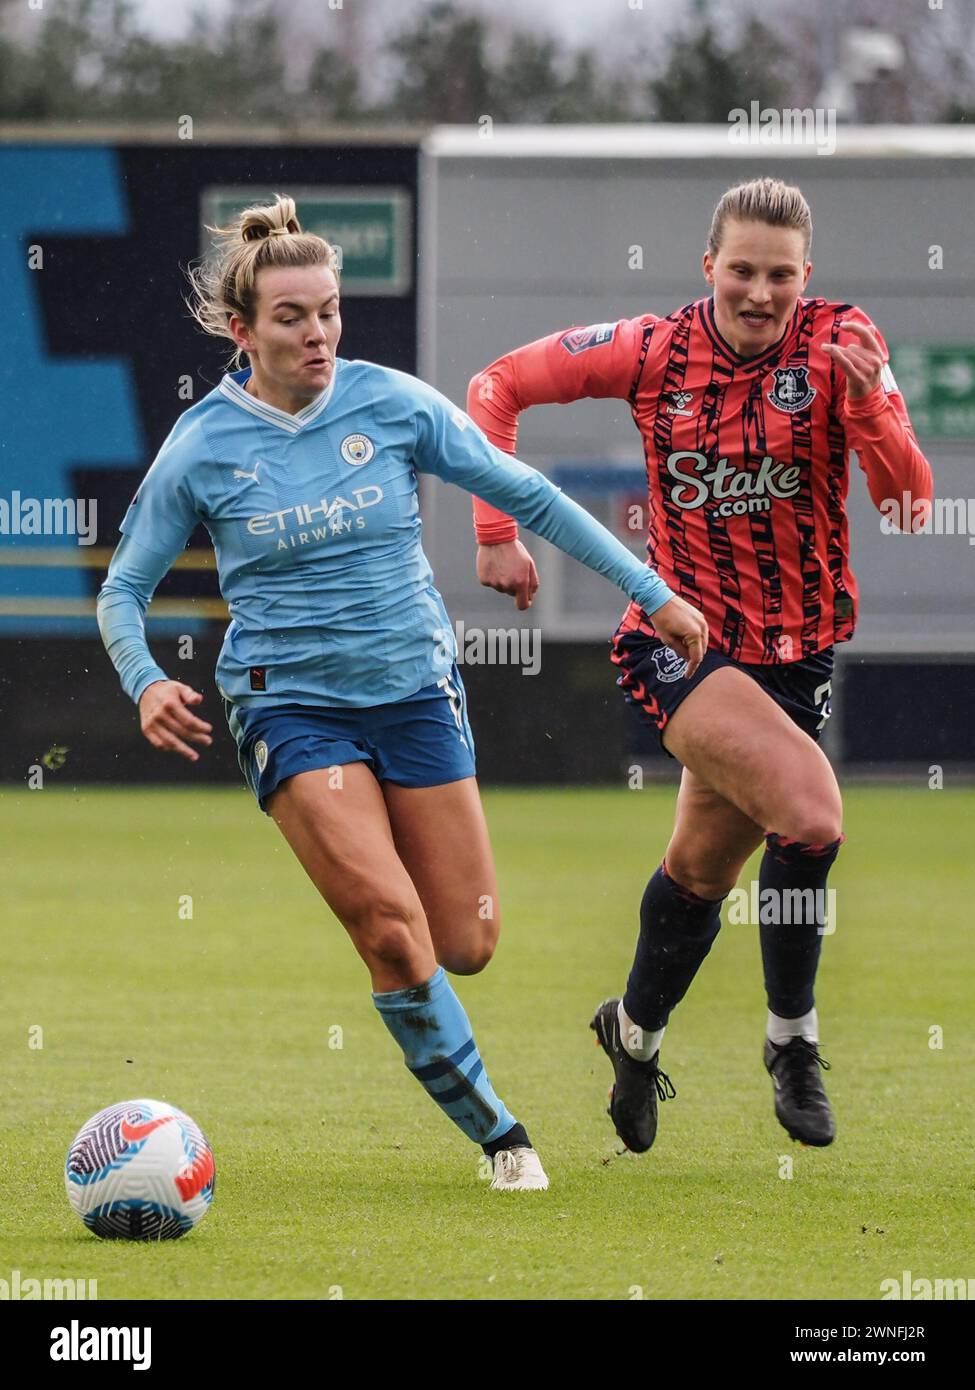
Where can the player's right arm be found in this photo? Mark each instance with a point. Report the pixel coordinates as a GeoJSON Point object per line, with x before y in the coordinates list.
{"type": "Point", "coordinates": [601, 361]}
{"type": "Point", "coordinates": [160, 520]}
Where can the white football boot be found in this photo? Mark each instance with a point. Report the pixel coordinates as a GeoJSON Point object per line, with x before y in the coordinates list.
{"type": "Point", "coordinates": [518, 1170]}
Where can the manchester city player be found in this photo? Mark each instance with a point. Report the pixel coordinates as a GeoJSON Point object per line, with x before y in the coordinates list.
{"type": "Point", "coordinates": [337, 671]}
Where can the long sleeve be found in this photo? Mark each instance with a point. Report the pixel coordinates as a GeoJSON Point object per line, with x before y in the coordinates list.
{"type": "Point", "coordinates": [451, 446]}
{"type": "Point", "coordinates": [160, 520]}
{"type": "Point", "coordinates": [600, 361]}
{"type": "Point", "coordinates": [878, 428]}
{"type": "Point", "coordinates": [123, 598]}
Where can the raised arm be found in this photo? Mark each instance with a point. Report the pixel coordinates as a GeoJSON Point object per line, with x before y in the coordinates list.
{"type": "Point", "coordinates": [603, 360]}
{"type": "Point", "coordinates": [877, 425]}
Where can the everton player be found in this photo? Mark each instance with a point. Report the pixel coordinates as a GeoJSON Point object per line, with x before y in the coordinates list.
{"type": "Point", "coordinates": [749, 402]}
{"type": "Point", "coordinates": [338, 671]}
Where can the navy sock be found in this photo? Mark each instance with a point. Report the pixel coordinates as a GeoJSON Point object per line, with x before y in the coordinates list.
{"type": "Point", "coordinates": [430, 1025]}
{"type": "Point", "coordinates": [677, 929]}
{"type": "Point", "coordinates": [515, 1138]}
{"type": "Point", "coordinates": [792, 897]}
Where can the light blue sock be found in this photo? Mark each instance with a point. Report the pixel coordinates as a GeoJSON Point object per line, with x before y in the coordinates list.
{"type": "Point", "coordinates": [430, 1025]}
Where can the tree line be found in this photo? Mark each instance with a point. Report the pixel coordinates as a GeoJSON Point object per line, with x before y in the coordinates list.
{"type": "Point", "coordinates": [448, 61]}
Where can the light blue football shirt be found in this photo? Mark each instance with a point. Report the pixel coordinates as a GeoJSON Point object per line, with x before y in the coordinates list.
{"type": "Point", "coordinates": [315, 523]}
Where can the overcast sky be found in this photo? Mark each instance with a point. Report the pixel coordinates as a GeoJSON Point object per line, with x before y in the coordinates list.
{"type": "Point", "coordinates": [571, 18]}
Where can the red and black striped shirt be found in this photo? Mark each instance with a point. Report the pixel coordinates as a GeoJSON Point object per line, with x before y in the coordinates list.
{"type": "Point", "coordinates": [746, 459]}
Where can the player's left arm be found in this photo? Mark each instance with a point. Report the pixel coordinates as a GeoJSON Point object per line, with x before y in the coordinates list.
{"type": "Point", "coordinates": [877, 425]}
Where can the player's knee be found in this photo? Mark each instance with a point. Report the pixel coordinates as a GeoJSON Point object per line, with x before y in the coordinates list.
{"type": "Point", "coordinates": [815, 823]}
{"type": "Point", "coordinates": [470, 956]}
{"type": "Point", "coordinates": [706, 880]}
{"type": "Point", "coordinates": [387, 933]}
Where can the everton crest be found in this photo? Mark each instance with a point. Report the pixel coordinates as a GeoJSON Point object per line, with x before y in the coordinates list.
{"type": "Point", "coordinates": [791, 391]}
{"type": "Point", "coordinates": [670, 666]}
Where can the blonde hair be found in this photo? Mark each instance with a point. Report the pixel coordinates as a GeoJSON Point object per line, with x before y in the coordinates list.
{"type": "Point", "coordinates": [260, 236]}
{"type": "Point", "coordinates": [771, 201]}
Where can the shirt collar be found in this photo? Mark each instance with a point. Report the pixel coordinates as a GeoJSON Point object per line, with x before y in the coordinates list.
{"type": "Point", "coordinates": [759, 362]}
{"type": "Point", "coordinates": [232, 386]}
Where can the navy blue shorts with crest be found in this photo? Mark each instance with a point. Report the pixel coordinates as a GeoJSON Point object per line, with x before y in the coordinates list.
{"type": "Point", "coordinates": [652, 679]}
{"type": "Point", "coordinates": [422, 741]}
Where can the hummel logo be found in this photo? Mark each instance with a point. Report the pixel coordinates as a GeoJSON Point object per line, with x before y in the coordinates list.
{"type": "Point", "coordinates": [242, 472]}
{"type": "Point", "coordinates": [679, 400]}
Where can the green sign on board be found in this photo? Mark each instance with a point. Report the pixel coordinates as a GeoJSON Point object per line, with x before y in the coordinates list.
{"type": "Point", "coordinates": [938, 384]}
{"type": "Point", "coordinates": [369, 227]}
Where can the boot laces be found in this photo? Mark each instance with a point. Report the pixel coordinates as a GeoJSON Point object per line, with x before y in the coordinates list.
{"type": "Point", "coordinates": [664, 1086]}
{"type": "Point", "coordinates": [796, 1057]}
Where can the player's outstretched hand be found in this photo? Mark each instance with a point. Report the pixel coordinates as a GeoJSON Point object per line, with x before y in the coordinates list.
{"type": "Point", "coordinates": [683, 628]}
{"type": "Point", "coordinates": [165, 716]}
{"type": "Point", "coordinates": [510, 569]}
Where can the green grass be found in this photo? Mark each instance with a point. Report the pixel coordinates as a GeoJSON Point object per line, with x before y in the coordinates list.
{"type": "Point", "coordinates": [333, 1168]}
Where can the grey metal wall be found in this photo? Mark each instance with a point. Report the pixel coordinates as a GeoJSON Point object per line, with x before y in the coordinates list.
{"type": "Point", "coordinates": [516, 247]}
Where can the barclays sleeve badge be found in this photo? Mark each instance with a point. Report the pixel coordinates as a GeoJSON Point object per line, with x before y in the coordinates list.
{"type": "Point", "coordinates": [579, 339]}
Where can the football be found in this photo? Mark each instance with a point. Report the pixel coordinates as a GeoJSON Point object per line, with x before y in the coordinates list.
{"type": "Point", "coordinates": [140, 1170]}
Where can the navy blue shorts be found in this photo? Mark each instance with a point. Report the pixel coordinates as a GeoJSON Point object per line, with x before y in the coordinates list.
{"type": "Point", "coordinates": [422, 741]}
{"type": "Point", "coordinates": [652, 679]}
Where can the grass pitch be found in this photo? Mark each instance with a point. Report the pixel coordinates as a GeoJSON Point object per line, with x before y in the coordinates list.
{"type": "Point", "coordinates": [337, 1177]}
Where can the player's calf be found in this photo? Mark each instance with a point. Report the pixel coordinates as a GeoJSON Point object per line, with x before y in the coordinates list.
{"type": "Point", "coordinates": [431, 1027]}
{"type": "Point", "coordinates": [795, 918]}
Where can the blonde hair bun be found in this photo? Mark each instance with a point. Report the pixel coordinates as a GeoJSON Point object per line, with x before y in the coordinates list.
{"type": "Point", "coordinates": [261, 235]}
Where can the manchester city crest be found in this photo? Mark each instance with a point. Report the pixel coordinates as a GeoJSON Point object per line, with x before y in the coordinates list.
{"type": "Point", "coordinates": [670, 666]}
{"type": "Point", "coordinates": [357, 449]}
{"type": "Point", "coordinates": [791, 391]}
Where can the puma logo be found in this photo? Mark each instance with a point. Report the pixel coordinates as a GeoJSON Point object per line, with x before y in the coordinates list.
{"type": "Point", "coordinates": [242, 472]}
